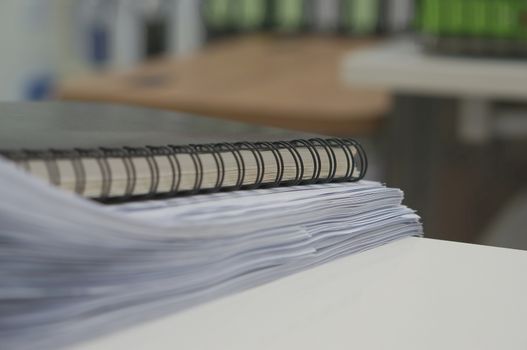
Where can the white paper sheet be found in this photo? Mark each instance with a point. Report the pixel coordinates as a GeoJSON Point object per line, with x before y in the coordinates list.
{"type": "Point", "coordinates": [73, 269]}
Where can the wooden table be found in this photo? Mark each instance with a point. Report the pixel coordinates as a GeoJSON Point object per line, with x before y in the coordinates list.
{"type": "Point", "coordinates": [291, 83]}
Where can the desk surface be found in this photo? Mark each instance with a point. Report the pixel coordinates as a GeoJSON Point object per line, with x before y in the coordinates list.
{"type": "Point", "coordinates": [412, 294]}
{"type": "Point", "coordinates": [290, 83]}
{"type": "Point", "coordinates": [402, 66]}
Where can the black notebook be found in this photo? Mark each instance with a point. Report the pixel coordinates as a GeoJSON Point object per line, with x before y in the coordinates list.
{"type": "Point", "coordinates": [108, 152]}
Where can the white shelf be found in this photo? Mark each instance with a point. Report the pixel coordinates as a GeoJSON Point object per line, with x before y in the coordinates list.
{"type": "Point", "coordinates": [412, 294]}
{"type": "Point", "coordinates": [401, 66]}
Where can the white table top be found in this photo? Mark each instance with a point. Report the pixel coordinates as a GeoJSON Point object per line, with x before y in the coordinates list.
{"type": "Point", "coordinates": [412, 294]}
{"type": "Point", "coordinates": [403, 67]}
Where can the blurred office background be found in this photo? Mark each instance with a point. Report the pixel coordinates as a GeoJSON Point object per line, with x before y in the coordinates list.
{"type": "Point", "coordinates": [441, 105]}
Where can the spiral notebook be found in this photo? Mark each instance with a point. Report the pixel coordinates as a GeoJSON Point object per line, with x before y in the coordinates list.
{"type": "Point", "coordinates": [105, 172]}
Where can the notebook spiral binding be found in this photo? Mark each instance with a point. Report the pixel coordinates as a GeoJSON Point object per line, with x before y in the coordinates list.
{"type": "Point", "coordinates": [317, 149]}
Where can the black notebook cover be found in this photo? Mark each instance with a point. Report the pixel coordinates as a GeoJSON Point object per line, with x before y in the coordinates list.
{"type": "Point", "coordinates": [109, 152]}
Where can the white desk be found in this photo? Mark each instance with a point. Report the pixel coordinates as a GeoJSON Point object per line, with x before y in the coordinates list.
{"type": "Point", "coordinates": [473, 84]}
{"type": "Point", "coordinates": [402, 66]}
{"type": "Point", "coordinates": [412, 294]}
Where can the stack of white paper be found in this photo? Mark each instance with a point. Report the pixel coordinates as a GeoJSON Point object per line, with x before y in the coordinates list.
{"type": "Point", "coordinates": [72, 269]}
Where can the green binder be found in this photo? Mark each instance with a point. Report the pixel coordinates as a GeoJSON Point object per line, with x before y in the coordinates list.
{"type": "Point", "coordinates": [502, 25]}
{"type": "Point", "coordinates": [361, 16]}
{"type": "Point", "coordinates": [506, 19]}
{"type": "Point", "coordinates": [430, 21]}
{"type": "Point", "coordinates": [288, 15]}
{"type": "Point", "coordinates": [216, 14]}
{"type": "Point", "coordinates": [452, 15]}
{"type": "Point", "coordinates": [250, 14]}
{"type": "Point", "coordinates": [521, 19]}
{"type": "Point", "coordinates": [475, 20]}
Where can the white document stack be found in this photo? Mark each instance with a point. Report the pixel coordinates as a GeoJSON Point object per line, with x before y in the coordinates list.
{"type": "Point", "coordinates": [72, 269]}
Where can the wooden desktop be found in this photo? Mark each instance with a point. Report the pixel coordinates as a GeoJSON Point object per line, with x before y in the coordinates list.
{"type": "Point", "coordinates": [287, 82]}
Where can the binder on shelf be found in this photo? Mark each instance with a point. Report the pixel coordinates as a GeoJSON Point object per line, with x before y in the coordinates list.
{"type": "Point", "coordinates": [291, 16]}
{"type": "Point", "coordinates": [475, 27]}
{"type": "Point", "coordinates": [217, 16]}
{"type": "Point", "coordinates": [326, 15]}
{"type": "Point", "coordinates": [250, 14]}
{"type": "Point", "coordinates": [187, 30]}
{"type": "Point", "coordinates": [360, 17]}
{"type": "Point", "coordinates": [399, 15]}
